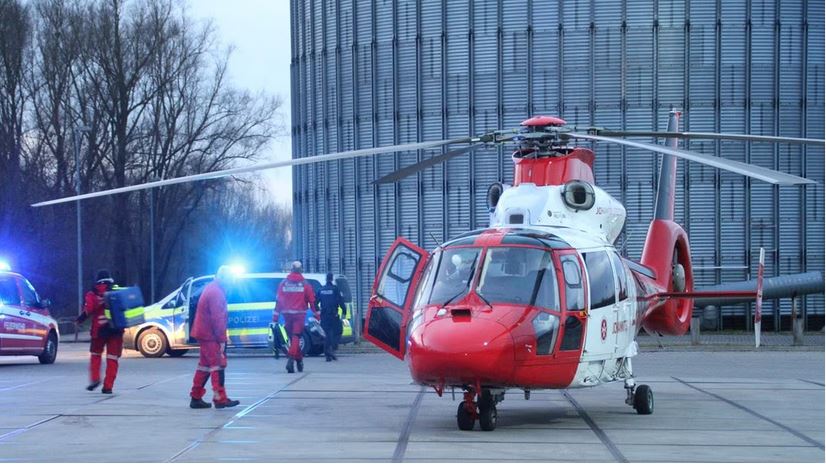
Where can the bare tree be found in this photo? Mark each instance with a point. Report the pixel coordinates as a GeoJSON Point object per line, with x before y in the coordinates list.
{"type": "Point", "coordinates": [151, 87]}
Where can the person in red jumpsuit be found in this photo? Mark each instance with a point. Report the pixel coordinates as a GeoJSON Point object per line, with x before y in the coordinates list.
{"type": "Point", "coordinates": [210, 329]}
{"type": "Point", "coordinates": [295, 295]}
{"type": "Point", "coordinates": [103, 336]}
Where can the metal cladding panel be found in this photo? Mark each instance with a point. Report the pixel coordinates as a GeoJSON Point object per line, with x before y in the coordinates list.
{"type": "Point", "coordinates": [378, 72]}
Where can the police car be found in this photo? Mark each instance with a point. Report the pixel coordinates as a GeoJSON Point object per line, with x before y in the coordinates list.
{"type": "Point", "coordinates": [250, 303]}
{"type": "Point", "coordinates": [26, 327]}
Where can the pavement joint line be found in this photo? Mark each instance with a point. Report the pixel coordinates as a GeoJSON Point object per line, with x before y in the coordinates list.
{"type": "Point", "coordinates": [232, 420]}
{"type": "Point", "coordinates": [812, 382]}
{"type": "Point", "coordinates": [28, 427]}
{"type": "Point", "coordinates": [15, 387]}
{"type": "Point", "coordinates": [404, 436]}
{"type": "Point", "coordinates": [754, 413]}
{"type": "Point", "coordinates": [612, 448]}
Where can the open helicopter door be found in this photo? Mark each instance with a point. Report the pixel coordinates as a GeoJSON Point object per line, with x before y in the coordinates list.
{"type": "Point", "coordinates": [392, 296]}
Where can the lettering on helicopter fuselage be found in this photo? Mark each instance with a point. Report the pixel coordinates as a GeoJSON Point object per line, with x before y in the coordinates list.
{"type": "Point", "coordinates": [604, 210]}
{"type": "Point", "coordinates": [557, 214]}
{"type": "Point", "coordinates": [620, 326]}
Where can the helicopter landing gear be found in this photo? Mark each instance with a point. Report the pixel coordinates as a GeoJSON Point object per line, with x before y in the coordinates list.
{"type": "Point", "coordinates": [483, 409]}
{"type": "Point", "coordinates": [466, 414]}
{"type": "Point", "coordinates": [639, 396]}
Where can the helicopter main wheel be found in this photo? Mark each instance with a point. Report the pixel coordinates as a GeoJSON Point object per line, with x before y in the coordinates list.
{"type": "Point", "coordinates": [464, 418]}
{"type": "Point", "coordinates": [643, 400]}
{"type": "Point", "coordinates": [487, 415]}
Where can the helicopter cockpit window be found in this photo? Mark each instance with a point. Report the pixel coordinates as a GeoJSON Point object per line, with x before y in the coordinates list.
{"type": "Point", "coordinates": [574, 292]}
{"type": "Point", "coordinates": [454, 273]}
{"type": "Point", "coordinates": [519, 275]}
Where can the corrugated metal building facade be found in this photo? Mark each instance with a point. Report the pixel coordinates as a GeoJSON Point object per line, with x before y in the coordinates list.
{"type": "Point", "coordinates": [367, 73]}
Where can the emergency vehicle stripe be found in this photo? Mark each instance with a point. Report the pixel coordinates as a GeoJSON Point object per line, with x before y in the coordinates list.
{"type": "Point", "coordinates": [250, 306]}
{"type": "Point", "coordinates": [237, 332]}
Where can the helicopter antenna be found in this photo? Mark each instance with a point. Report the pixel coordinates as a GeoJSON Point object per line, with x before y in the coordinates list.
{"type": "Point", "coordinates": [435, 240]}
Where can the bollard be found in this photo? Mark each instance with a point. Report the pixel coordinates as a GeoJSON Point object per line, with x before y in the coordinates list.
{"type": "Point", "coordinates": [695, 330]}
{"type": "Point", "coordinates": [797, 324]}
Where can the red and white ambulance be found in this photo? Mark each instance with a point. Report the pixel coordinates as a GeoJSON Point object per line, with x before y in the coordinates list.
{"type": "Point", "coordinates": [26, 327]}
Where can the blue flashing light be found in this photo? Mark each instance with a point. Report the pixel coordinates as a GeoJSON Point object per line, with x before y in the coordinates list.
{"type": "Point", "coordinates": [4, 266]}
{"type": "Point", "coordinates": [237, 269]}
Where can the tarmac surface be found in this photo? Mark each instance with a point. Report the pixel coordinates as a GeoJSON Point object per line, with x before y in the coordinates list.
{"type": "Point", "coordinates": [709, 406]}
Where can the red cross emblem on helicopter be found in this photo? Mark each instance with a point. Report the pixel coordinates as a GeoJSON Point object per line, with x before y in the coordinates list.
{"type": "Point", "coordinates": [604, 329]}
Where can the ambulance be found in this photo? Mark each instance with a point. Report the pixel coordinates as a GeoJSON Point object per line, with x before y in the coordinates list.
{"type": "Point", "coordinates": [250, 303]}
{"type": "Point", "coordinates": [26, 327]}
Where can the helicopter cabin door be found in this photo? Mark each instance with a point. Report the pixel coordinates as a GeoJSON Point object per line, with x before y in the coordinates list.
{"type": "Point", "coordinates": [392, 296]}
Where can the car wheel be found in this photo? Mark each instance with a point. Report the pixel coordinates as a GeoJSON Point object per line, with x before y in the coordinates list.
{"type": "Point", "coordinates": [305, 342]}
{"type": "Point", "coordinates": [49, 351]}
{"type": "Point", "coordinates": [177, 353]}
{"type": "Point", "coordinates": [152, 343]}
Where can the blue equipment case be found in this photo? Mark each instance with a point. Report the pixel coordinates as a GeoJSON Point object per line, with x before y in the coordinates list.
{"type": "Point", "coordinates": [124, 307]}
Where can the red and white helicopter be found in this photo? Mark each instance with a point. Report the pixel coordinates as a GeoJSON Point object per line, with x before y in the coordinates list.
{"type": "Point", "coordinates": [541, 299]}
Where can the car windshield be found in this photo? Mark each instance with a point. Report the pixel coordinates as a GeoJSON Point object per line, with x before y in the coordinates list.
{"type": "Point", "coordinates": [519, 275]}
{"type": "Point", "coordinates": [454, 269]}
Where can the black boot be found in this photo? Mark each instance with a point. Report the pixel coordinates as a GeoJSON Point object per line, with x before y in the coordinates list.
{"type": "Point", "coordinates": [300, 365]}
{"type": "Point", "coordinates": [329, 358]}
{"type": "Point", "coordinates": [107, 391]}
{"type": "Point", "coordinates": [93, 385]}
{"type": "Point", "coordinates": [290, 368]}
{"type": "Point", "coordinates": [199, 404]}
{"type": "Point", "coordinates": [227, 403]}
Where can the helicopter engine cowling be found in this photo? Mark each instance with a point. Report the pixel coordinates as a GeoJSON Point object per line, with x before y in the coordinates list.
{"type": "Point", "coordinates": [667, 252]}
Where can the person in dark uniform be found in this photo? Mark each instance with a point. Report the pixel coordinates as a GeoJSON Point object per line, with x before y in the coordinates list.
{"type": "Point", "coordinates": [330, 300]}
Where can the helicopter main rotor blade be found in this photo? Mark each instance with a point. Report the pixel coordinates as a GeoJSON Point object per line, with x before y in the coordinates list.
{"type": "Point", "coordinates": [709, 135]}
{"type": "Point", "coordinates": [262, 166]}
{"type": "Point", "coordinates": [422, 165]}
{"type": "Point", "coordinates": [750, 170]}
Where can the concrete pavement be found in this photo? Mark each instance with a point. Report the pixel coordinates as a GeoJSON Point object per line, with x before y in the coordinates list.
{"type": "Point", "coordinates": [709, 406]}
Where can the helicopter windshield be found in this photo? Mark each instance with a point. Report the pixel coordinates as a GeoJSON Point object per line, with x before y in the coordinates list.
{"type": "Point", "coordinates": [449, 276]}
{"type": "Point", "coordinates": [519, 275]}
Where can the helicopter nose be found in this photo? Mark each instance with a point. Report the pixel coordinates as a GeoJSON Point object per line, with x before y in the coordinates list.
{"type": "Point", "coordinates": [461, 351]}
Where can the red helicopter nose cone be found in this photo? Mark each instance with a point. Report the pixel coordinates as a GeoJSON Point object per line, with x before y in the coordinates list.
{"type": "Point", "coordinates": [461, 351]}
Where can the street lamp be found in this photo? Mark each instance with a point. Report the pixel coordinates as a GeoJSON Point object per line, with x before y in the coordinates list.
{"type": "Point", "coordinates": [76, 136]}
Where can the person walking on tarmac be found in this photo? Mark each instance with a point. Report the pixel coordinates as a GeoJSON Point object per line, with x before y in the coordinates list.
{"type": "Point", "coordinates": [330, 300]}
{"type": "Point", "coordinates": [295, 295]}
{"type": "Point", "coordinates": [210, 329]}
{"type": "Point", "coordinates": [103, 335]}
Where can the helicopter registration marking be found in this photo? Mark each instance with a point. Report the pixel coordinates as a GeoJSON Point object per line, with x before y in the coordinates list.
{"type": "Point", "coordinates": [620, 326]}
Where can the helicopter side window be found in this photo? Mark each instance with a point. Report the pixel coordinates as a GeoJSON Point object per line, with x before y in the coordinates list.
{"type": "Point", "coordinates": [395, 281]}
{"type": "Point", "coordinates": [574, 292]}
{"type": "Point", "coordinates": [622, 282]}
{"type": "Point", "coordinates": [601, 278]}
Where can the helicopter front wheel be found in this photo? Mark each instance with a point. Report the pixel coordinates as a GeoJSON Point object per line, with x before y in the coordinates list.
{"type": "Point", "coordinates": [644, 400]}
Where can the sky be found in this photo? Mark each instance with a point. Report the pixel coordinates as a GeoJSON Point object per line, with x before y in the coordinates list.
{"type": "Point", "coordinates": [259, 31]}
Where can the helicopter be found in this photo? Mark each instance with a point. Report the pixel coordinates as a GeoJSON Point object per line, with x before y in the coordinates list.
{"type": "Point", "coordinates": [540, 299]}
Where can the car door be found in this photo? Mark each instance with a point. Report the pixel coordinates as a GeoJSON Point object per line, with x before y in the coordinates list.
{"type": "Point", "coordinates": [14, 338]}
{"type": "Point", "coordinates": [37, 322]}
{"type": "Point", "coordinates": [392, 296]}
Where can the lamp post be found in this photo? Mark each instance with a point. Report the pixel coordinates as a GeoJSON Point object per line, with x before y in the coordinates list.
{"type": "Point", "coordinates": [152, 242]}
{"type": "Point", "coordinates": [76, 136]}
